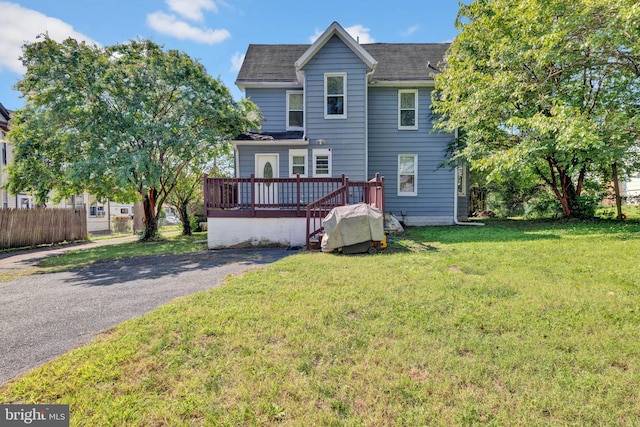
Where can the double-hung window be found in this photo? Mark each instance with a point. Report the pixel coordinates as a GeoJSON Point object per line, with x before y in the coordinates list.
{"type": "Point", "coordinates": [322, 162]}
{"type": "Point", "coordinates": [295, 110]}
{"type": "Point", "coordinates": [298, 162]}
{"type": "Point", "coordinates": [408, 109]}
{"type": "Point", "coordinates": [461, 173]}
{"type": "Point", "coordinates": [335, 96]}
{"type": "Point", "coordinates": [407, 175]}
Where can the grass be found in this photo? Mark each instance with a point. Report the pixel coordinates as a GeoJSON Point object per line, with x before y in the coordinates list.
{"type": "Point", "coordinates": [514, 323]}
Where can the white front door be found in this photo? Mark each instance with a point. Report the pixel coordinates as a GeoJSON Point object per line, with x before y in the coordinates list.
{"type": "Point", "coordinates": [267, 166]}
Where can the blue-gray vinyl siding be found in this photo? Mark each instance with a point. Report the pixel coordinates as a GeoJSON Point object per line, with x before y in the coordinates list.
{"type": "Point", "coordinates": [248, 158]}
{"type": "Point", "coordinates": [345, 137]}
{"type": "Point", "coordinates": [436, 184]}
{"type": "Point", "coordinates": [273, 105]}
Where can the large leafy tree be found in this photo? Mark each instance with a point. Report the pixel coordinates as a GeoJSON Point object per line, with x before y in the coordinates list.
{"type": "Point", "coordinates": [188, 195]}
{"type": "Point", "coordinates": [121, 122]}
{"type": "Point", "coordinates": [545, 86]}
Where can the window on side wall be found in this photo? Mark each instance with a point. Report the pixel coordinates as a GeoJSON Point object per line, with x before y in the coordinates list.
{"type": "Point", "coordinates": [295, 110]}
{"type": "Point", "coordinates": [335, 96]}
{"type": "Point", "coordinates": [461, 173]}
{"type": "Point", "coordinates": [4, 153]}
{"type": "Point", "coordinates": [322, 162]}
{"type": "Point", "coordinates": [298, 162]}
{"type": "Point", "coordinates": [96, 210]}
{"type": "Point", "coordinates": [408, 109]}
{"type": "Point", "coordinates": [407, 175]}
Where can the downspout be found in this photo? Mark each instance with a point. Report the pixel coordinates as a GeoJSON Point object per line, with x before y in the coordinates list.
{"type": "Point", "coordinates": [304, 106]}
{"type": "Point", "coordinates": [366, 123]}
{"type": "Point", "coordinates": [236, 165]}
{"type": "Point", "coordinates": [455, 199]}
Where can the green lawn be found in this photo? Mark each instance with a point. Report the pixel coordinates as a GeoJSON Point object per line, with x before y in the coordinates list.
{"type": "Point", "coordinates": [514, 323]}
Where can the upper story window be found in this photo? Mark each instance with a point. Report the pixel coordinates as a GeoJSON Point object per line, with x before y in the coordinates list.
{"type": "Point", "coordinates": [4, 153]}
{"type": "Point", "coordinates": [335, 95]}
{"type": "Point", "coordinates": [295, 110]}
{"type": "Point", "coordinates": [408, 109]}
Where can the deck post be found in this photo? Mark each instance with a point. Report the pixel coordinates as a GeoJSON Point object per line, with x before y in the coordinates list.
{"type": "Point", "coordinates": [346, 190]}
{"type": "Point", "coordinates": [253, 195]}
{"type": "Point", "coordinates": [381, 192]}
{"type": "Point", "coordinates": [206, 194]}
{"type": "Point", "coordinates": [298, 193]}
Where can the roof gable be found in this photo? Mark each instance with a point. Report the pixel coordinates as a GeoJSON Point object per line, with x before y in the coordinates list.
{"type": "Point", "coordinates": [393, 63]}
{"type": "Point", "coordinates": [337, 30]}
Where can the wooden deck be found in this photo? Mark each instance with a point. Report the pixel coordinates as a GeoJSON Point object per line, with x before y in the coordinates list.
{"type": "Point", "coordinates": [312, 198]}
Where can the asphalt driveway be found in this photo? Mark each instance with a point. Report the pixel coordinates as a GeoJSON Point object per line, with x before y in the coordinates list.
{"type": "Point", "coordinates": [44, 316]}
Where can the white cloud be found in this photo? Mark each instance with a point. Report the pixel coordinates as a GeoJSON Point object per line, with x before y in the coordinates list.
{"type": "Point", "coordinates": [358, 32]}
{"type": "Point", "coordinates": [20, 25]}
{"type": "Point", "coordinates": [410, 31]}
{"type": "Point", "coordinates": [192, 9]}
{"type": "Point", "coordinates": [236, 61]}
{"type": "Point", "coordinates": [171, 26]}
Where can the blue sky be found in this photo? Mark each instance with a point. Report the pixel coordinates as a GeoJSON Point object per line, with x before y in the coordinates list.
{"type": "Point", "coordinates": [215, 32]}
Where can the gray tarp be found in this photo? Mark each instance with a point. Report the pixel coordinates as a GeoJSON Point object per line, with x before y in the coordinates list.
{"type": "Point", "coordinates": [352, 224]}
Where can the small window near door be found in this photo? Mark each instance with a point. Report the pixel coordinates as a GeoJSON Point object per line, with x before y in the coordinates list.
{"type": "Point", "coordinates": [298, 162]}
{"type": "Point", "coordinates": [322, 162]}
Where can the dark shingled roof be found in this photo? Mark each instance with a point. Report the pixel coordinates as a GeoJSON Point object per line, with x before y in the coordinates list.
{"type": "Point", "coordinates": [5, 115]}
{"type": "Point", "coordinates": [396, 62]}
{"type": "Point", "coordinates": [269, 136]}
{"type": "Point", "coordinates": [406, 62]}
{"type": "Point", "coordinates": [270, 63]}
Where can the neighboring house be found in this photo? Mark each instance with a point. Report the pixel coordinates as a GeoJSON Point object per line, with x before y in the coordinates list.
{"type": "Point", "coordinates": [631, 190]}
{"type": "Point", "coordinates": [22, 200]}
{"type": "Point", "coordinates": [99, 215]}
{"type": "Point", "coordinates": [334, 108]}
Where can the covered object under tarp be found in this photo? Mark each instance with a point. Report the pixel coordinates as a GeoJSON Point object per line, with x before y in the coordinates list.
{"type": "Point", "coordinates": [350, 225]}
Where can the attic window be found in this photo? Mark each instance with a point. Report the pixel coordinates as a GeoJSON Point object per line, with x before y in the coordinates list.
{"type": "Point", "coordinates": [335, 90]}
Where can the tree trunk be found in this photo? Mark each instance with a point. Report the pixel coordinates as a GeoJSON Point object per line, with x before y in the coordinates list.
{"type": "Point", "coordinates": [616, 190]}
{"type": "Point", "coordinates": [184, 219]}
{"type": "Point", "coordinates": [564, 190]}
{"type": "Point", "coordinates": [150, 217]}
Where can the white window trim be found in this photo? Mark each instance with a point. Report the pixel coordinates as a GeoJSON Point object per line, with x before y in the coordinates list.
{"type": "Point", "coordinates": [295, 92]}
{"type": "Point", "coordinates": [321, 152]}
{"type": "Point", "coordinates": [415, 177]}
{"type": "Point", "coordinates": [461, 174]}
{"type": "Point", "coordinates": [299, 152]}
{"type": "Point", "coordinates": [415, 94]}
{"type": "Point", "coordinates": [344, 96]}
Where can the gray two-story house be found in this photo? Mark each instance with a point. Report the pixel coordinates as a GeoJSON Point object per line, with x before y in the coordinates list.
{"type": "Point", "coordinates": [337, 111]}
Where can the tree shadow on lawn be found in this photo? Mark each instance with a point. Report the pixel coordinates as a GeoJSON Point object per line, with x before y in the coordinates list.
{"type": "Point", "coordinates": [137, 270]}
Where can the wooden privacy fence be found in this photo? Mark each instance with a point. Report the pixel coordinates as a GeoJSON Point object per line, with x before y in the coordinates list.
{"type": "Point", "coordinates": [32, 227]}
